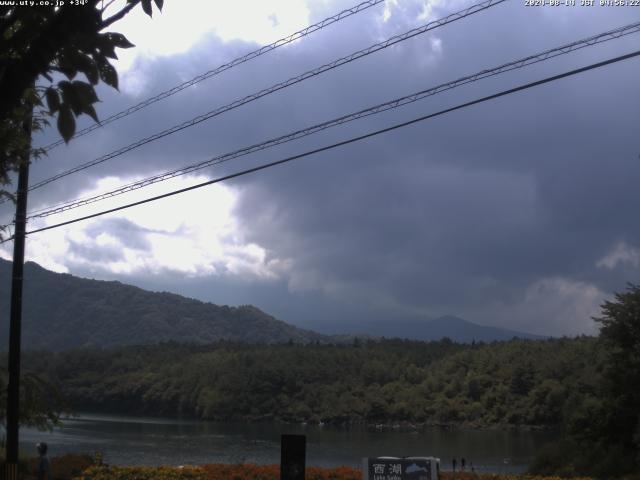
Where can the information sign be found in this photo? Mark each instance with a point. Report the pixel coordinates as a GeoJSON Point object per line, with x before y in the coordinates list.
{"type": "Point", "coordinates": [407, 468]}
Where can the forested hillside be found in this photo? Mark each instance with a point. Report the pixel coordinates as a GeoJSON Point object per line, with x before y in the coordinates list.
{"type": "Point", "coordinates": [62, 311]}
{"type": "Point", "coordinates": [517, 383]}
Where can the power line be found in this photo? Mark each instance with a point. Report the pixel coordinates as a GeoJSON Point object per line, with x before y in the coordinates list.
{"type": "Point", "coordinates": [233, 63]}
{"type": "Point", "coordinates": [274, 88]}
{"type": "Point", "coordinates": [398, 102]}
{"type": "Point", "coordinates": [349, 141]}
{"type": "Point", "coordinates": [8, 227]}
{"type": "Point", "coordinates": [279, 86]}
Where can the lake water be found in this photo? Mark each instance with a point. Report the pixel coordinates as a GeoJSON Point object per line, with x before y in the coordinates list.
{"type": "Point", "coordinates": [154, 441]}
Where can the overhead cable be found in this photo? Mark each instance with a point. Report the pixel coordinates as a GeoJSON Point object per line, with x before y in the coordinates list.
{"type": "Point", "coordinates": [392, 104]}
{"type": "Point", "coordinates": [478, 7]}
{"type": "Point", "coordinates": [345, 142]}
{"type": "Point", "coordinates": [226, 66]}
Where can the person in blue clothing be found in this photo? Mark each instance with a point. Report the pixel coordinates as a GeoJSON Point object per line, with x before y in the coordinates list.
{"type": "Point", "coordinates": [44, 467]}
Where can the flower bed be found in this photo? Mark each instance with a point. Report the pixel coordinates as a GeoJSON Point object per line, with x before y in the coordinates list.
{"type": "Point", "coordinates": [101, 472]}
{"type": "Point", "coordinates": [272, 472]}
{"type": "Point", "coordinates": [81, 467]}
{"type": "Point", "coordinates": [212, 472]}
{"type": "Point", "coordinates": [259, 472]}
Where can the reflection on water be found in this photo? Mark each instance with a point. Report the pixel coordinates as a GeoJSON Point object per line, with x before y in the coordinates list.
{"type": "Point", "coordinates": [155, 441]}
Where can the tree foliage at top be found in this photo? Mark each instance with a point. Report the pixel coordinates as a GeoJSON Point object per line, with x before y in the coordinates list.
{"type": "Point", "coordinates": [620, 334]}
{"type": "Point", "coordinates": [65, 51]}
{"type": "Point", "coordinates": [602, 436]}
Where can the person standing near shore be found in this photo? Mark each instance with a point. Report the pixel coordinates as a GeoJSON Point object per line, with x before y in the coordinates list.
{"type": "Point", "coordinates": [44, 467]}
{"type": "Point", "coordinates": [453, 462]}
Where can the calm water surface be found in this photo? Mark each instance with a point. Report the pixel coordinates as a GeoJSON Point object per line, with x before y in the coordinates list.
{"type": "Point", "coordinates": [133, 440]}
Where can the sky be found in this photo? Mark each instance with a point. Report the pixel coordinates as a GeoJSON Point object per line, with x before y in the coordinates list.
{"type": "Point", "coordinates": [520, 212]}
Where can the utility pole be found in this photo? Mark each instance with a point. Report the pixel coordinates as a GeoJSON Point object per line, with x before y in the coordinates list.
{"type": "Point", "coordinates": [15, 325]}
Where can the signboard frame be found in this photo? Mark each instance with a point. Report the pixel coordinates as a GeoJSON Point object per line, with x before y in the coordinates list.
{"type": "Point", "coordinates": [400, 468]}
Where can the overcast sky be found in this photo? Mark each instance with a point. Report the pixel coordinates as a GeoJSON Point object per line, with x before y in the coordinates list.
{"type": "Point", "coordinates": [519, 212]}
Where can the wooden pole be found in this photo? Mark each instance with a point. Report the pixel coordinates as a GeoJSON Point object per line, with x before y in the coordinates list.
{"type": "Point", "coordinates": [15, 325]}
{"type": "Point", "coordinates": [293, 453]}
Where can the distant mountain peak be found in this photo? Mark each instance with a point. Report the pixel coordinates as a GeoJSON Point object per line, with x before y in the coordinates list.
{"type": "Point", "coordinates": [448, 320]}
{"type": "Point", "coordinates": [449, 326]}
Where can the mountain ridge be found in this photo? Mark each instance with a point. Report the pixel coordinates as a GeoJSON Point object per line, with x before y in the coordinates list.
{"type": "Point", "coordinates": [62, 311]}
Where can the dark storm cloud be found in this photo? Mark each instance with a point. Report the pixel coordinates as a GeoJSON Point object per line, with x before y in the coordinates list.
{"type": "Point", "coordinates": [473, 208]}
{"type": "Point", "coordinates": [454, 215]}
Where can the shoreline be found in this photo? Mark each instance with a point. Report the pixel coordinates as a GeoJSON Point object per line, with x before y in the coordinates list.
{"type": "Point", "coordinates": [401, 425]}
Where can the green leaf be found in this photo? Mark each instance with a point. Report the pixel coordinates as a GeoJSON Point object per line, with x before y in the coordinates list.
{"type": "Point", "coordinates": [106, 46]}
{"type": "Point", "coordinates": [89, 110]}
{"type": "Point", "coordinates": [79, 97]}
{"type": "Point", "coordinates": [92, 75]}
{"type": "Point", "coordinates": [70, 98]}
{"type": "Point", "coordinates": [67, 67]}
{"type": "Point", "coordinates": [84, 92]}
{"type": "Point", "coordinates": [146, 6]}
{"type": "Point", "coordinates": [109, 75]}
{"type": "Point", "coordinates": [88, 66]}
{"type": "Point", "coordinates": [53, 99]}
{"type": "Point", "coordinates": [66, 90]}
{"type": "Point", "coordinates": [119, 40]}
{"type": "Point", "coordinates": [66, 123]}
{"type": "Point", "coordinates": [109, 50]}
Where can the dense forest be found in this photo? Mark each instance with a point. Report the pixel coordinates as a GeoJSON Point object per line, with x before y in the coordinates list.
{"type": "Point", "coordinates": [509, 383]}
{"type": "Point", "coordinates": [585, 387]}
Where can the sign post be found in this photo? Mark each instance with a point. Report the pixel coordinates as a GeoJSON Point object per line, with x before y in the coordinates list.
{"type": "Point", "coordinates": [15, 320]}
{"type": "Point", "coordinates": [401, 468]}
{"type": "Point", "coordinates": [293, 452]}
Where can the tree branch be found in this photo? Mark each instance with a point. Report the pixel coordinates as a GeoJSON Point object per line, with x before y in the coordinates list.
{"type": "Point", "coordinates": [117, 16]}
{"type": "Point", "coordinates": [103, 7]}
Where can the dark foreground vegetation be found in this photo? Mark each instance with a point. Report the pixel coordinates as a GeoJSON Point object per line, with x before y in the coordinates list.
{"type": "Point", "coordinates": [585, 387]}
{"type": "Point", "coordinates": [82, 467]}
{"type": "Point", "coordinates": [66, 467]}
